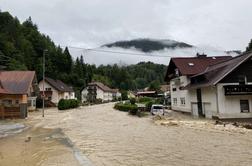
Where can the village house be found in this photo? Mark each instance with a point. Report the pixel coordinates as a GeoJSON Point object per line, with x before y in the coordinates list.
{"type": "Point", "coordinates": [97, 90]}
{"type": "Point", "coordinates": [55, 90]}
{"type": "Point", "coordinates": [18, 93]}
{"type": "Point", "coordinates": [179, 74]}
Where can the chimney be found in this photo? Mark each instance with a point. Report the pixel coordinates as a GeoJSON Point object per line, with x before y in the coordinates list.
{"type": "Point", "coordinates": [201, 55]}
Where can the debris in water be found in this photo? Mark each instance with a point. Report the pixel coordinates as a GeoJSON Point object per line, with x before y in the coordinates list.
{"type": "Point", "coordinates": [28, 139]}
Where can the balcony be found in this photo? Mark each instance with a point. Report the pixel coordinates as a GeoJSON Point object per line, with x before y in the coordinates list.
{"type": "Point", "coordinates": [238, 90]}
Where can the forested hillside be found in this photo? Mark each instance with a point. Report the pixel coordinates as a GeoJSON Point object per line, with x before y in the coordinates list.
{"type": "Point", "coordinates": [22, 47]}
{"type": "Point", "coordinates": [149, 45]}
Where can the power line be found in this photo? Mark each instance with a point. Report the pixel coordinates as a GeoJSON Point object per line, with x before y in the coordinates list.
{"type": "Point", "coordinates": [118, 52]}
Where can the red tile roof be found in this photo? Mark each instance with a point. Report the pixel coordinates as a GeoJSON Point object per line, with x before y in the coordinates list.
{"type": "Point", "coordinates": [198, 64]}
{"type": "Point", "coordinates": [215, 73]}
{"type": "Point", "coordinates": [16, 82]}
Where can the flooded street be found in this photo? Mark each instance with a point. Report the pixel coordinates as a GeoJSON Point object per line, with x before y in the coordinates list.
{"type": "Point", "coordinates": [109, 137]}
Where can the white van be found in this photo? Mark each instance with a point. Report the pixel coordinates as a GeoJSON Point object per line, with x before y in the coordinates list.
{"type": "Point", "coordinates": [157, 109]}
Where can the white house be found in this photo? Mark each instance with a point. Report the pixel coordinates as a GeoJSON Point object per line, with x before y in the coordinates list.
{"type": "Point", "coordinates": [97, 90]}
{"type": "Point", "coordinates": [187, 95]}
{"type": "Point", "coordinates": [56, 90]}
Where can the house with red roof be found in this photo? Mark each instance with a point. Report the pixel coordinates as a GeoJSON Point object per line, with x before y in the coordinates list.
{"type": "Point", "coordinates": [185, 76]}
{"type": "Point", "coordinates": [17, 93]}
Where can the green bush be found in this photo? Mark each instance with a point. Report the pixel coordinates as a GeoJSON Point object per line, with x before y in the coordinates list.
{"type": "Point", "coordinates": [144, 99]}
{"type": "Point", "coordinates": [125, 107]}
{"type": "Point", "coordinates": [132, 101]}
{"type": "Point", "coordinates": [67, 104]}
{"type": "Point", "coordinates": [124, 95]}
{"type": "Point", "coordinates": [148, 105]}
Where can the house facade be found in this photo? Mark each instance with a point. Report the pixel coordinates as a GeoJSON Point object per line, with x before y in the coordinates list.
{"type": "Point", "coordinates": [97, 90]}
{"type": "Point", "coordinates": [55, 90]}
{"type": "Point", "coordinates": [18, 93]}
{"type": "Point", "coordinates": [179, 76]}
{"type": "Point", "coordinates": [223, 90]}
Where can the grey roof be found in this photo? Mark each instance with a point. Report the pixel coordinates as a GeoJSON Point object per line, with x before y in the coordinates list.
{"type": "Point", "coordinates": [215, 73]}
{"type": "Point", "coordinates": [58, 85]}
{"type": "Point", "coordinates": [102, 86]}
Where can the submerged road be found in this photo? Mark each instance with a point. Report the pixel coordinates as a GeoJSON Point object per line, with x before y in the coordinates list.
{"type": "Point", "coordinates": [109, 137]}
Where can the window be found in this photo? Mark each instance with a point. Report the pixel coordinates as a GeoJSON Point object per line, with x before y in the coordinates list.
{"type": "Point", "coordinates": [174, 89]}
{"type": "Point", "coordinates": [244, 104]}
{"type": "Point", "coordinates": [182, 101]}
{"type": "Point", "coordinates": [191, 64]}
{"type": "Point", "coordinates": [49, 98]}
{"type": "Point", "coordinates": [175, 101]}
{"type": "Point", "coordinates": [7, 102]}
{"type": "Point", "coordinates": [48, 89]}
{"type": "Point", "coordinates": [17, 102]}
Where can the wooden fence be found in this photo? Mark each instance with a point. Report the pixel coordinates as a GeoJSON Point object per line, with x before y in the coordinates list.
{"type": "Point", "coordinates": [10, 112]}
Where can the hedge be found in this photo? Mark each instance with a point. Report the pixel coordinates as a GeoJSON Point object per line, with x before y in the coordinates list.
{"type": "Point", "coordinates": [67, 104]}
{"type": "Point", "coordinates": [125, 107]}
{"type": "Point", "coordinates": [145, 99]}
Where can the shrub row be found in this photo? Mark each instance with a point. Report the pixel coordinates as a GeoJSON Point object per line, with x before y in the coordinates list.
{"type": "Point", "coordinates": [144, 99]}
{"type": "Point", "coordinates": [125, 107]}
{"type": "Point", "coordinates": [67, 104]}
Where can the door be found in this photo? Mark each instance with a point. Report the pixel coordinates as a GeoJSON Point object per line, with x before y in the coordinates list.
{"type": "Point", "coordinates": [199, 100]}
{"type": "Point", "coordinates": [195, 111]}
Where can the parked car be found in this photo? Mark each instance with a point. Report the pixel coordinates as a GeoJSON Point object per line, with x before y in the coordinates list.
{"type": "Point", "coordinates": [157, 109]}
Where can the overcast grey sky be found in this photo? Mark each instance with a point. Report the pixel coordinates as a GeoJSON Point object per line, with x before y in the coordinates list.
{"type": "Point", "coordinates": [225, 24]}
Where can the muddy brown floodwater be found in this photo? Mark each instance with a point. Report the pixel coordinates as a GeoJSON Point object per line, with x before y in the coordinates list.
{"type": "Point", "coordinates": [36, 146]}
{"type": "Point", "coordinates": [109, 137]}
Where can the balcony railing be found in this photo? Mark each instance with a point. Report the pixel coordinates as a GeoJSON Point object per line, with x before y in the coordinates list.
{"type": "Point", "coordinates": [238, 90]}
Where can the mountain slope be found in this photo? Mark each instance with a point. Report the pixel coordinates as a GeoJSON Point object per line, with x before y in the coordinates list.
{"type": "Point", "coordinates": [149, 45]}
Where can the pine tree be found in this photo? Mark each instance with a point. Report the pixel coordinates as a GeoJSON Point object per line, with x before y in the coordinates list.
{"type": "Point", "coordinates": [69, 61]}
{"type": "Point", "coordinates": [249, 48]}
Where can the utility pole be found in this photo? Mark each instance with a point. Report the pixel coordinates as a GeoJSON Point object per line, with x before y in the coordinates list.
{"type": "Point", "coordinates": [43, 98]}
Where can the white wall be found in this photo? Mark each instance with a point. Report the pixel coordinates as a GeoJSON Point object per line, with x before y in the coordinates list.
{"type": "Point", "coordinates": [229, 106]}
{"type": "Point", "coordinates": [84, 94]}
{"type": "Point", "coordinates": [55, 96]}
{"type": "Point", "coordinates": [209, 100]}
{"type": "Point", "coordinates": [104, 96]}
{"type": "Point", "coordinates": [177, 83]}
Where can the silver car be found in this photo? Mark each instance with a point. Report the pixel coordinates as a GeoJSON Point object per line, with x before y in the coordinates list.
{"type": "Point", "coordinates": [157, 109]}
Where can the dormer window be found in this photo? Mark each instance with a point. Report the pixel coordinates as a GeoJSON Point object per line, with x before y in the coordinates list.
{"type": "Point", "coordinates": [191, 64]}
